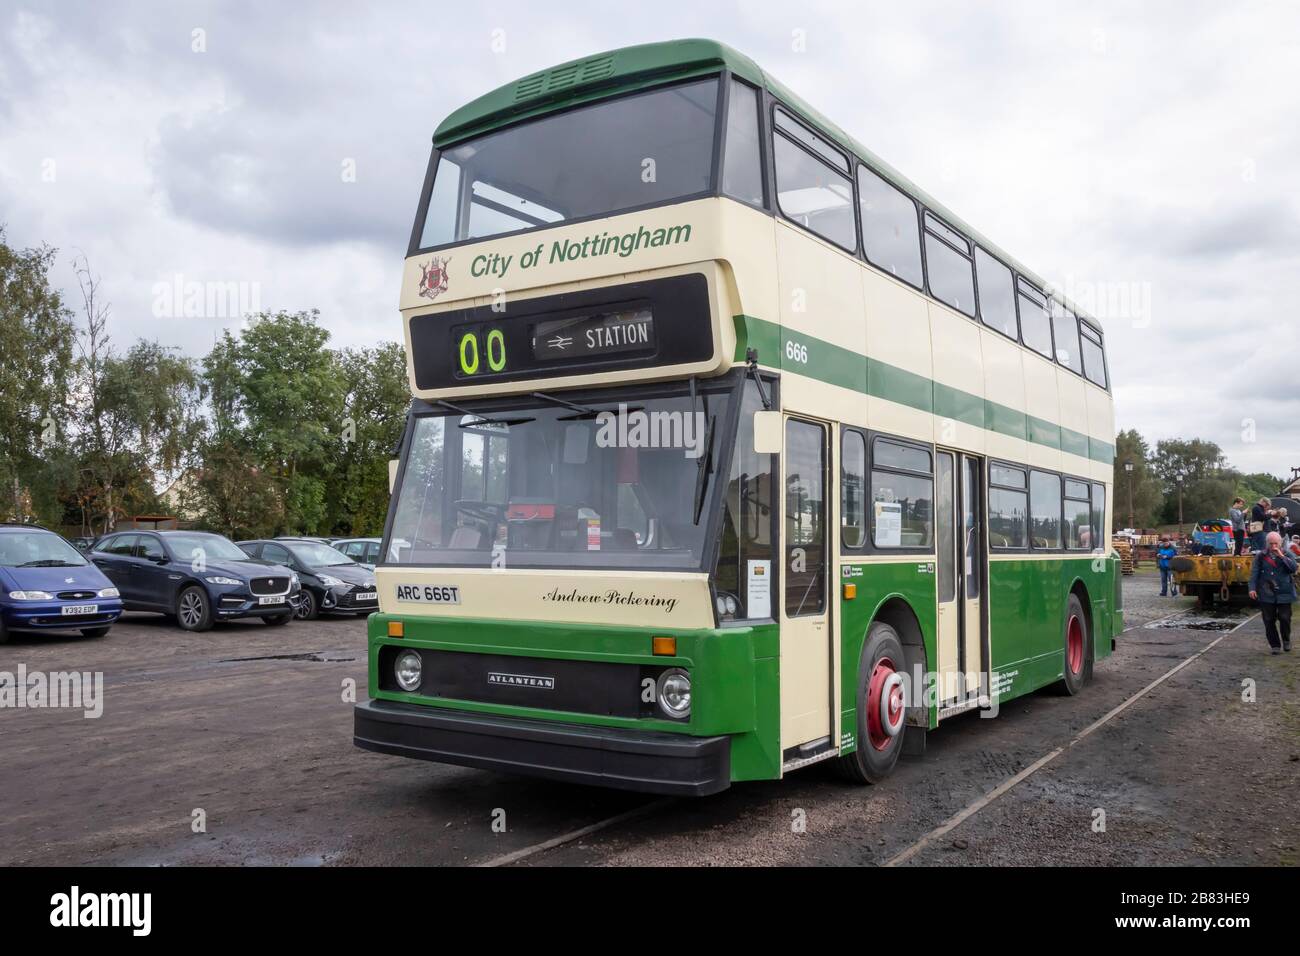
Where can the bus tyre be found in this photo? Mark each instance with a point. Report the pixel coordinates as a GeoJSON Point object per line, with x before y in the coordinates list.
{"type": "Point", "coordinates": [1078, 649]}
{"type": "Point", "coordinates": [194, 610]}
{"type": "Point", "coordinates": [881, 707]}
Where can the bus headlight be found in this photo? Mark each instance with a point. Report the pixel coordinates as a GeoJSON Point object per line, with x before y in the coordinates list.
{"type": "Point", "coordinates": [674, 693]}
{"type": "Point", "coordinates": [409, 670]}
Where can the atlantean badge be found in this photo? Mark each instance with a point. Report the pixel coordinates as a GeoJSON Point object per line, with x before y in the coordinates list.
{"type": "Point", "coordinates": [433, 277]}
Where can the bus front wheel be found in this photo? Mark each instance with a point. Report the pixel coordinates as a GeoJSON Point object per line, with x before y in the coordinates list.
{"type": "Point", "coordinates": [881, 707]}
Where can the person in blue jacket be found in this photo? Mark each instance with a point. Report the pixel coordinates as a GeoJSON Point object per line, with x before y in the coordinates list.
{"type": "Point", "coordinates": [1272, 584]}
{"type": "Point", "coordinates": [1164, 555]}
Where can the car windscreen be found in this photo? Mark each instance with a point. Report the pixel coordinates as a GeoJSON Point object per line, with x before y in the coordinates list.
{"type": "Point", "coordinates": [319, 555]}
{"type": "Point", "coordinates": [210, 547]}
{"type": "Point", "coordinates": [37, 549]}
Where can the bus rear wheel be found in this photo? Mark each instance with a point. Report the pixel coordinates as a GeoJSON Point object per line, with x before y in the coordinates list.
{"type": "Point", "coordinates": [881, 708]}
{"type": "Point", "coordinates": [1078, 648]}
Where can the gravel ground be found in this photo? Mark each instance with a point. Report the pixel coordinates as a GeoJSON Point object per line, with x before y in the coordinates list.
{"type": "Point", "coordinates": [252, 726]}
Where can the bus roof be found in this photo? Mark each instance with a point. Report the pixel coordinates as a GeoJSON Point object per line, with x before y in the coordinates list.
{"type": "Point", "coordinates": [596, 77]}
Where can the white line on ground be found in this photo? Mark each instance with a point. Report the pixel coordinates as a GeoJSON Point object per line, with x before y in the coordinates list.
{"type": "Point", "coordinates": [633, 814]}
{"type": "Point", "coordinates": [1041, 762]}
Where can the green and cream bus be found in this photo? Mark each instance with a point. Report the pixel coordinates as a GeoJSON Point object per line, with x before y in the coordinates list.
{"type": "Point", "coordinates": [730, 450]}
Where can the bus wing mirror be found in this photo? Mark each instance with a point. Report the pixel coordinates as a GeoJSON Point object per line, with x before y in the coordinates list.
{"type": "Point", "coordinates": [392, 474]}
{"type": "Point", "coordinates": [767, 433]}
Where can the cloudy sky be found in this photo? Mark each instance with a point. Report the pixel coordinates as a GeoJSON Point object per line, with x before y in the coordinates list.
{"type": "Point", "coordinates": [1145, 157]}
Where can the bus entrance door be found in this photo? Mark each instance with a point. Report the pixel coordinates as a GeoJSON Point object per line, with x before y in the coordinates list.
{"type": "Point", "coordinates": [960, 578]}
{"type": "Point", "coordinates": [805, 624]}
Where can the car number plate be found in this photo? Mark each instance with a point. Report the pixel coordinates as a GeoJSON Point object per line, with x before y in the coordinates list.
{"type": "Point", "coordinates": [270, 600]}
{"type": "Point", "coordinates": [70, 609]}
{"type": "Point", "coordinates": [368, 596]}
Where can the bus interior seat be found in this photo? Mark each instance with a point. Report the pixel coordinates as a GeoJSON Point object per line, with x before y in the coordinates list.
{"type": "Point", "coordinates": [466, 539]}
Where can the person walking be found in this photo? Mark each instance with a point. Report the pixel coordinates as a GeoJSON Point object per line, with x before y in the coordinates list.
{"type": "Point", "coordinates": [1272, 584]}
{"type": "Point", "coordinates": [1257, 529]}
{"type": "Point", "coordinates": [1237, 515]}
{"type": "Point", "coordinates": [1164, 555]}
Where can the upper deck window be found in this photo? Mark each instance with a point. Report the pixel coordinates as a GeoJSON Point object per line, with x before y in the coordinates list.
{"type": "Point", "coordinates": [812, 183]}
{"type": "Point", "coordinates": [596, 160]}
{"type": "Point", "coordinates": [948, 264]}
{"type": "Point", "coordinates": [891, 232]}
{"type": "Point", "coordinates": [1094, 358]}
{"type": "Point", "coordinates": [1065, 332]}
{"type": "Point", "coordinates": [742, 171]}
{"type": "Point", "coordinates": [1035, 326]}
{"type": "Point", "coordinates": [997, 294]}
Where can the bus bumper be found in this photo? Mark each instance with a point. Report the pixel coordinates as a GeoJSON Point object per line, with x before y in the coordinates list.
{"type": "Point", "coordinates": [647, 761]}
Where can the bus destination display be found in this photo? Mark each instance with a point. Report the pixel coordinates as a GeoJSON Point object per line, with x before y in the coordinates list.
{"type": "Point", "coordinates": [589, 335]}
{"type": "Point", "coordinates": [656, 322]}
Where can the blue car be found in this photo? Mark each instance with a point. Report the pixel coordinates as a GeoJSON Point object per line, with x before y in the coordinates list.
{"type": "Point", "coordinates": [47, 585]}
{"type": "Point", "coordinates": [198, 577]}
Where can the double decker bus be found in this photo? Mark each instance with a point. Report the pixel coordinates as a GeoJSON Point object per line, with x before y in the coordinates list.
{"type": "Point", "coordinates": [729, 451]}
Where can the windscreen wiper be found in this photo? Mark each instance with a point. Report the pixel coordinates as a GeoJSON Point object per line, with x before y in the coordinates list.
{"type": "Point", "coordinates": [704, 467]}
{"type": "Point", "coordinates": [585, 412]}
{"type": "Point", "coordinates": [482, 419]}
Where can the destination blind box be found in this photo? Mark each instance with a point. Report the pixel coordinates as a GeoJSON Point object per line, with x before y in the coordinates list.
{"type": "Point", "coordinates": [656, 322]}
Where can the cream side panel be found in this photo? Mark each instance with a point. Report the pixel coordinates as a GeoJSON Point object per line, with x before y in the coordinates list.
{"type": "Point", "coordinates": [898, 334]}
{"type": "Point", "coordinates": [820, 291]}
{"type": "Point", "coordinates": [1041, 401]}
{"type": "Point", "coordinates": [645, 598]}
{"type": "Point", "coordinates": [957, 364]}
{"type": "Point", "coordinates": [801, 395]}
{"type": "Point", "coordinates": [1004, 383]}
{"type": "Point", "coordinates": [1101, 419]}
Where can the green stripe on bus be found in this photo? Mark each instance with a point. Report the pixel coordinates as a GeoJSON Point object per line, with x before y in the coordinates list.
{"type": "Point", "coordinates": [837, 365]}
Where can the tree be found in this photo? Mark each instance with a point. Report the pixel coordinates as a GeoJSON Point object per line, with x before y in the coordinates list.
{"type": "Point", "coordinates": [1260, 484]}
{"type": "Point", "coordinates": [36, 336]}
{"type": "Point", "coordinates": [1142, 483]}
{"type": "Point", "coordinates": [277, 405]}
{"type": "Point", "coordinates": [137, 418]}
{"type": "Point", "coordinates": [1182, 464]}
{"type": "Point", "coordinates": [377, 397]}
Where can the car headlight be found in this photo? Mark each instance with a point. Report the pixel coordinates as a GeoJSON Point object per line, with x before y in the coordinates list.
{"type": "Point", "coordinates": [329, 580]}
{"type": "Point", "coordinates": [233, 582]}
{"type": "Point", "coordinates": [674, 693]}
{"type": "Point", "coordinates": [31, 595]}
{"type": "Point", "coordinates": [294, 579]}
{"type": "Point", "coordinates": [110, 593]}
{"type": "Point", "coordinates": [409, 670]}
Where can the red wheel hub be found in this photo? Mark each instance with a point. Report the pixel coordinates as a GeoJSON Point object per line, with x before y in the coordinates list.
{"type": "Point", "coordinates": [1074, 645]}
{"type": "Point", "coordinates": [885, 704]}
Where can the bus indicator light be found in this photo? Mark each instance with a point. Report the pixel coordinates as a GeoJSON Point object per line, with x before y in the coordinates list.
{"type": "Point", "coordinates": [396, 629]}
{"type": "Point", "coordinates": [850, 592]}
{"type": "Point", "coordinates": [664, 646]}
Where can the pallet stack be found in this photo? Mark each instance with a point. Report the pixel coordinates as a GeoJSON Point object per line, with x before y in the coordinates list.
{"type": "Point", "coordinates": [1125, 550]}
